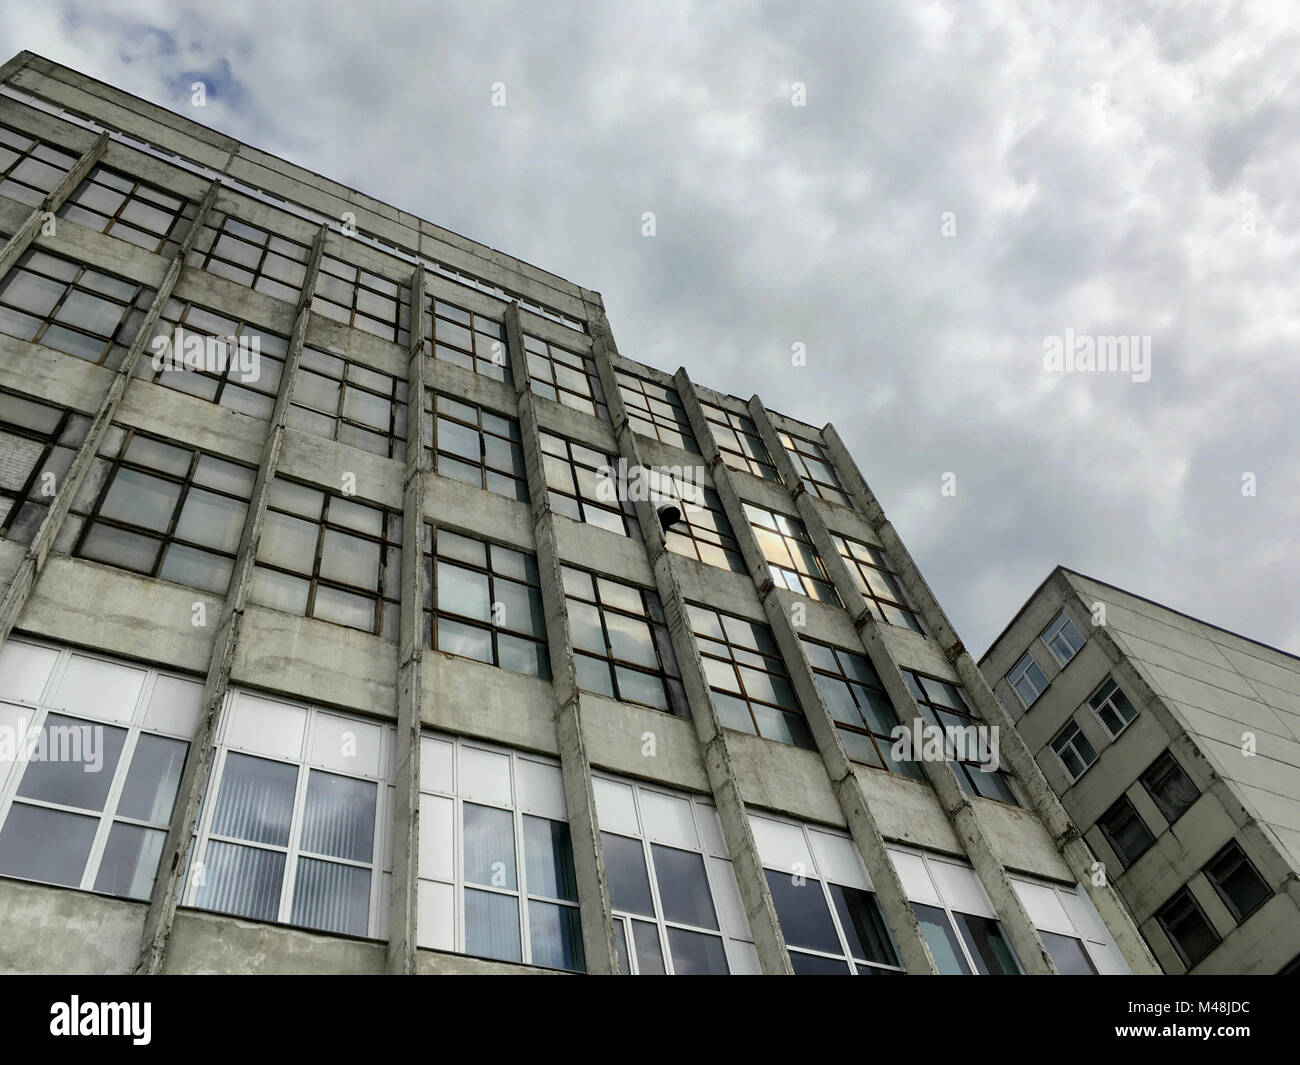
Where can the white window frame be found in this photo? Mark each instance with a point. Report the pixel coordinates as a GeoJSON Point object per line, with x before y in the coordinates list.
{"type": "Point", "coordinates": [1056, 628]}
{"type": "Point", "coordinates": [518, 807]}
{"type": "Point", "coordinates": [1087, 764]}
{"type": "Point", "coordinates": [11, 774]}
{"type": "Point", "coordinates": [1020, 671]}
{"type": "Point", "coordinates": [1071, 914]}
{"type": "Point", "coordinates": [1110, 701]}
{"type": "Point", "coordinates": [380, 865]}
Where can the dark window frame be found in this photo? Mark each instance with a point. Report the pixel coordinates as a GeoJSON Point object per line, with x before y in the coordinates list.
{"type": "Point", "coordinates": [656, 411]}
{"type": "Point", "coordinates": [874, 576]}
{"type": "Point", "coordinates": [1190, 908]}
{"type": "Point", "coordinates": [482, 328]}
{"type": "Point", "coordinates": [166, 241]}
{"type": "Point", "coordinates": [1166, 766]}
{"type": "Point", "coordinates": [790, 530]}
{"type": "Point", "coordinates": [58, 447]}
{"type": "Point", "coordinates": [335, 274]}
{"type": "Point", "coordinates": [545, 360]}
{"type": "Point", "coordinates": [1235, 853]}
{"type": "Point", "coordinates": [224, 234]}
{"type": "Point", "coordinates": [435, 412]}
{"type": "Point", "coordinates": [40, 153]}
{"type": "Point", "coordinates": [1123, 808]}
{"type": "Point", "coordinates": [313, 361]}
{"type": "Point", "coordinates": [800, 450]}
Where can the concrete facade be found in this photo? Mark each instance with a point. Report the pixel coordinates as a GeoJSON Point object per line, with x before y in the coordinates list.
{"type": "Point", "coordinates": [432, 743]}
{"type": "Point", "coordinates": [1227, 711]}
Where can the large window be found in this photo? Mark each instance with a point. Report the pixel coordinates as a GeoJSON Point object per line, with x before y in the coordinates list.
{"type": "Point", "coordinates": [747, 676]}
{"type": "Point", "coordinates": [738, 441]}
{"type": "Point", "coordinates": [676, 906]}
{"type": "Point", "coordinates": [484, 601]}
{"type": "Point", "coordinates": [824, 901]}
{"type": "Point", "coordinates": [815, 469]}
{"type": "Point", "coordinates": [496, 875]}
{"type": "Point", "coordinates": [240, 366]}
{"type": "Point", "coordinates": [61, 304]}
{"type": "Point", "coordinates": [1112, 707]}
{"type": "Point", "coordinates": [296, 817]}
{"type": "Point", "coordinates": [579, 486]}
{"type": "Point", "coordinates": [1062, 639]}
{"type": "Point", "coordinates": [1125, 831]}
{"type": "Point", "coordinates": [1074, 750]}
{"type": "Point", "coordinates": [329, 557]}
{"type": "Point", "coordinates": [621, 641]}
{"type": "Point", "coordinates": [656, 411]}
{"type": "Point", "coordinates": [251, 256]}
{"type": "Point", "coordinates": [29, 168]}
{"type": "Point", "coordinates": [856, 699]}
{"type": "Point", "coordinates": [363, 300]}
{"type": "Point", "coordinates": [476, 446]}
{"type": "Point", "coordinates": [1187, 927]}
{"type": "Point", "coordinates": [705, 534]}
{"type": "Point", "coordinates": [111, 202]}
{"type": "Point", "coordinates": [474, 341]}
{"type": "Point", "coordinates": [791, 557]}
{"type": "Point", "coordinates": [876, 581]}
{"type": "Point", "coordinates": [1027, 680]}
{"type": "Point", "coordinates": [1237, 882]}
{"type": "Point", "coordinates": [342, 400]}
{"type": "Point", "coordinates": [37, 445]}
{"type": "Point", "coordinates": [564, 376]}
{"type": "Point", "coordinates": [88, 804]}
{"type": "Point", "coordinates": [1170, 788]}
{"type": "Point", "coordinates": [162, 510]}
{"type": "Point", "coordinates": [1068, 925]}
{"type": "Point", "coordinates": [945, 706]}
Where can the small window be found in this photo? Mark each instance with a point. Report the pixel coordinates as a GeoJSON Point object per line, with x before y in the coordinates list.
{"type": "Point", "coordinates": [1187, 927]}
{"type": "Point", "coordinates": [656, 411]}
{"type": "Point", "coordinates": [792, 560]}
{"type": "Point", "coordinates": [564, 376]}
{"type": "Point", "coordinates": [1027, 680]}
{"type": "Point", "coordinates": [704, 533]}
{"type": "Point", "coordinates": [1074, 750]}
{"type": "Point", "coordinates": [252, 257]}
{"type": "Point", "coordinates": [1240, 887]}
{"type": "Point", "coordinates": [1112, 707]}
{"type": "Point", "coordinates": [580, 485]}
{"type": "Point", "coordinates": [38, 443]}
{"type": "Point", "coordinates": [815, 469]}
{"type": "Point", "coordinates": [346, 401]}
{"type": "Point", "coordinates": [30, 168]}
{"type": "Point", "coordinates": [470, 339]}
{"type": "Point", "coordinates": [363, 300]}
{"type": "Point", "coordinates": [738, 442]}
{"type": "Point", "coordinates": [877, 581]}
{"type": "Point", "coordinates": [1068, 954]}
{"type": "Point", "coordinates": [1125, 831]}
{"type": "Point", "coordinates": [475, 445]}
{"type": "Point", "coordinates": [1062, 638]}
{"type": "Point", "coordinates": [1170, 788]}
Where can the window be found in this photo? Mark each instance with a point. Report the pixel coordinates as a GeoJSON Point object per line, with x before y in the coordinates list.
{"type": "Point", "coordinates": [226, 361]}
{"type": "Point", "coordinates": [251, 256]}
{"type": "Point", "coordinates": [1027, 680]}
{"type": "Point", "coordinates": [327, 557]}
{"type": "Point", "coordinates": [815, 469]}
{"type": "Point", "coordinates": [824, 901]}
{"type": "Point", "coordinates": [476, 446]}
{"type": "Point", "coordinates": [621, 642]}
{"type": "Point", "coordinates": [747, 676]}
{"type": "Point", "coordinates": [1123, 828]}
{"type": "Point", "coordinates": [705, 534]}
{"type": "Point", "coordinates": [676, 906]}
{"type": "Point", "coordinates": [564, 376]}
{"type": "Point", "coordinates": [484, 601]}
{"type": "Point", "coordinates": [1075, 936]}
{"type": "Point", "coordinates": [469, 339]}
{"type": "Point", "coordinates": [496, 875]}
{"type": "Point", "coordinates": [165, 511]}
{"type": "Point", "coordinates": [877, 582]}
{"type": "Point", "coordinates": [1062, 638]}
{"type": "Point", "coordinates": [791, 557]}
{"type": "Point", "coordinates": [738, 441]}
{"type": "Point", "coordinates": [579, 486]}
{"type": "Point", "coordinates": [1186, 925]}
{"type": "Point", "coordinates": [366, 301]}
{"type": "Point", "coordinates": [1170, 788]}
{"type": "Point", "coordinates": [89, 805]}
{"type": "Point", "coordinates": [30, 168]}
{"type": "Point", "coordinates": [945, 706]}
{"type": "Point", "coordinates": [342, 400]}
{"type": "Point", "coordinates": [111, 202]}
{"type": "Point", "coordinates": [862, 711]}
{"type": "Point", "coordinates": [1074, 751]}
{"type": "Point", "coordinates": [37, 445]}
{"type": "Point", "coordinates": [656, 411]}
{"type": "Point", "coordinates": [295, 821]}
{"type": "Point", "coordinates": [1239, 885]}
{"type": "Point", "coordinates": [1112, 706]}
{"type": "Point", "coordinates": [69, 307]}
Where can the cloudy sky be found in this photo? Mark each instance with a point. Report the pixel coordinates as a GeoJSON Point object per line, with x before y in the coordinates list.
{"type": "Point", "coordinates": [964, 181]}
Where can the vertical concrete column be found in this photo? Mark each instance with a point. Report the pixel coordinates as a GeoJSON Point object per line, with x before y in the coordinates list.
{"type": "Point", "coordinates": [50, 202]}
{"type": "Point", "coordinates": [863, 827]}
{"type": "Point", "coordinates": [575, 767]}
{"type": "Point", "coordinates": [403, 911]}
{"type": "Point", "coordinates": [176, 851]}
{"type": "Point", "coordinates": [962, 813]}
{"type": "Point", "coordinates": [19, 588]}
{"type": "Point", "coordinates": [1013, 752]}
{"type": "Point", "coordinates": [769, 941]}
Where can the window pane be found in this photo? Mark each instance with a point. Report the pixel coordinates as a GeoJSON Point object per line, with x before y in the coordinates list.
{"type": "Point", "coordinates": [1069, 954]}
{"type": "Point", "coordinates": [46, 845]}
{"type": "Point", "coordinates": [197, 569]}
{"type": "Point", "coordinates": [988, 945]}
{"type": "Point", "coordinates": [463, 592]}
{"type": "Point", "coordinates": [466, 640]}
{"type": "Point", "coordinates": [130, 861]}
{"type": "Point", "coordinates": [211, 520]}
{"type": "Point", "coordinates": [256, 801]}
{"type": "Point", "coordinates": [649, 953]}
{"type": "Point", "coordinates": [489, 846]}
{"type": "Point", "coordinates": [629, 884]}
{"type": "Point", "coordinates": [556, 936]}
{"type": "Point", "coordinates": [75, 765]}
{"type": "Point", "coordinates": [942, 940]}
{"type": "Point", "coordinates": [548, 859]}
{"type": "Point", "coordinates": [151, 783]}
{"type": "Point", "coordinates": [492, 925]}
{"type": "Point", "coordinates": [683, 887]}
{"type": "Point", "coordinates": [801, 909]}
{"type": "Point", "coordinates": [344, 608]}
{"type": "Point", "coordinates": [350, 560]}
{"type": "Point", "coordinates": [332, 897]}
{"type": "Point", "coordinates": [139, 499]}
{"type": "Point", "coordinates": [696, 954]}
{"type": "Point", "coordinates": [244, 881]}
{"type": "Point", "coordinates": [339, 819]}
{"type": "Point", "coordinates": [812, 965]}
{"type": "Point", "coordinates": [864, 928]}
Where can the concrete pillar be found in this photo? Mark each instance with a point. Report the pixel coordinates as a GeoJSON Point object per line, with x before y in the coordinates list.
{"type": "Point", "coordinates": [594, 910]}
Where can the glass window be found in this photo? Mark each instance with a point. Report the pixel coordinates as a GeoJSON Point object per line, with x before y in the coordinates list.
{"type": "Point", "coordinates": [363, 300]}
{"type": "Point", "coordinates": [1187, 927]}
{"type": "Point", "coordinates": [656, 411]}
{"type": "Point", "coordinates": [475, 445]}
{"type": "Point", "coordinates": [109, 201]}
{"type": "Point", "coordinates": [30, 168]}
{"type": "Point", "coordinates": [815, 469]}
{"type": "Point", "coordinates": [580, 485]}
{"type": "Point", "coordinates": [469, 339]}
{"type": "Point", "coordinates": [564, 376]}
{"type": "Point", "coordinates": [39, 442]}
{"type": "Point", "coordinates": [251, 256]}
{"type": "Point", "coordinates": [704, 533]}
{"type": "Point", "coordinates": [1027, 680]}
{"type": "Point", "coordinates": [1062, 638]}
{"type": "Point", "coordinates": [1068, 954]}
{"type": "Point", "coordinates": [791, 557]}
{"type": "Point", "coordinates": [1239, 885]}
{"type": "Point", "coordinates": [988, 945]}
{"type": "Point", "coordinates": [738, 441]}
{"type": "Point", "coordinates": [877, 582]}
{"type": "Point", "coordinates": [1074, 750]}
{"type": "Point", "coordinates": [1170, 788]}
{"type": "Point", "coordinates": [343, 400]}
{"type": "Point", "coordinates": [1125, 831]}
{"type": "Point", "coordinates": [1112, 707]}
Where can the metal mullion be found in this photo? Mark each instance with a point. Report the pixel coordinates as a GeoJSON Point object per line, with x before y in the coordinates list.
{"type": "Point", "coordinates": [660, 921]}
{"type": "Point", "coordinates": [521, 873]}
{"type": "Point", "coordinates": [106, 815]}
{"type": "Point", "coordinates": [297, 813]}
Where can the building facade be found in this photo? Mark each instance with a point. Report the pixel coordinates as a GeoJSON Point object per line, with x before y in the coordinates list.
{"type": "Point", "coordinates": [344, 634]}
{"type": "Point", "coordinates": [1175, 746]}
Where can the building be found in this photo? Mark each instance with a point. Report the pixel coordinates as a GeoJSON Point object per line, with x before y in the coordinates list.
{"type": "Point", "coordinates": [307, 544]}
{"type": "Point", "coordinates": [1175, 746]}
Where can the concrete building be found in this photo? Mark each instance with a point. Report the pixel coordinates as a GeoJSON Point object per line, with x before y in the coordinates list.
{"type": "Point", "coordinates": [309, 542]}
{"type": "Point", "coordinates": [1175, 746]}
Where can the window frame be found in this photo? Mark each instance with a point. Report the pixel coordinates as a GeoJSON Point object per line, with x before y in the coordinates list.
{"type": "Point", "coordinates": [725, 425]}
{"type": "Point", "coordinates": [1241, 859]}
{"type": "Point", "coordinates": [433, 414]}
{"type": "Point", "coordinates": [1022, 671]}
{"type": "Point", "coordinates": [1167, 755]}
{"type": "Point", "coordinates": [641, 405]}
{"type": "Point", "coordinates": [38, 152]}
{"type": "Point", "coordinates": [1110, 836]}
{"type": "Point", "coordinates": [311, 361]}
{"type": "Point", "coordinates": [877, 563]}
{"type": "Point", "coordinates": [1069, 737]}
{"type": "Point", "coordinates": [695, 539]}
{"type": "Point", "coordinates": [790, 530]}
{"type": "Point", "coordinates": [1060, 625]}
{"type": "Point", "coordinates": [550, 456]}
{"type": "Point", "coordinates": [56, 444]}
{"type": "Point", "coordinates": [540, 350]}
{"type": "Point", "coordinates": [222, 226]}
{"type": "Point", "coordinates": [166, 242]}
{"type": "Point", "coordinates": [800, 450]}
{"type": "Point", "coordinates": [481, 325]}
{"type": "Point", "coordinates": [1107, 700]}
{"type": "Point", "coordinates": [363, 282]}
{"type": "Point", "coordinates": [1192, 907]}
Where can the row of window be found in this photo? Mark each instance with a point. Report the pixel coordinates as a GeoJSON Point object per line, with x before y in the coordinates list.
{"type": "Point", "coordinates": [1238, 885]}
{"type": "Point", "coordinates": [1113, 710]}
{"type": "Point", "coordinates": [1027, 678]}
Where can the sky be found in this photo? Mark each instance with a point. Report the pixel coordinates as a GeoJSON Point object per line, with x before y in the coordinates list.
{"type": "Point", "coordinates": [931, 198]}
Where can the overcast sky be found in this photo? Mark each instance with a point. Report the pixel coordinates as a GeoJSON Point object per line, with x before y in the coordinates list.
{"type": "Point", "coordinates": [964, 181]}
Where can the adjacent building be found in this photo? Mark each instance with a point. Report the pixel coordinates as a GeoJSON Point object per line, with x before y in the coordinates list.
{"type": "Point", "coordinates": [1175, 746]}
{"type": "Point", "coordinates": [363, 609]}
